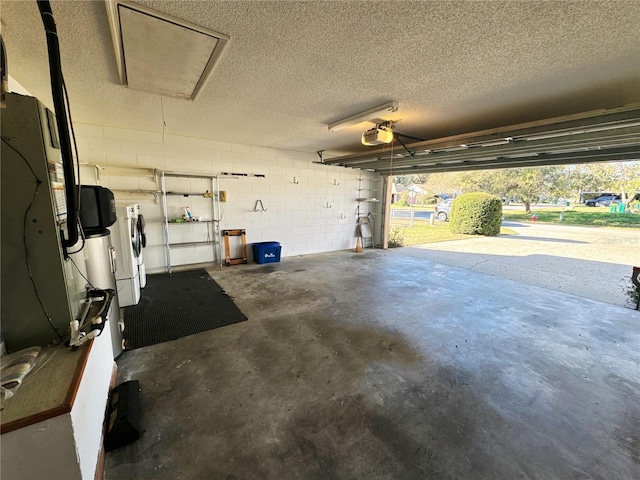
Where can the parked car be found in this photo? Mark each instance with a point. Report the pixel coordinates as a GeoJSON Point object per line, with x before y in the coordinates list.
{"type": "Point", "coordinates": [443, 210]}
{"type": "Point", "coordinates": [603, 201]}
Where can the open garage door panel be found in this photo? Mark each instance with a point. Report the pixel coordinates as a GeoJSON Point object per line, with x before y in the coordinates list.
{"type": "Point", "coordinates": [602, 135]}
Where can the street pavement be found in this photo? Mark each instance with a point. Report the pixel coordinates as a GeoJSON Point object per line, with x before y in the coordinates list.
{"type": "Point", "coordinates": [589, 262]}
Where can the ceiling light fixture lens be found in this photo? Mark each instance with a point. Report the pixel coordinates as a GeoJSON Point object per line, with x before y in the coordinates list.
{"type": "Point", "coordinates": [370, 114]}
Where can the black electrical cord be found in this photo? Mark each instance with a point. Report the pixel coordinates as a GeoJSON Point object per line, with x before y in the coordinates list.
{"type": "Point", "coordinates": [82, 237]}
{"type": "Point", "coordinates": [4, 73]}
{"type": "Point", "coordinates": [22, 157]}
{"type": "Point", "coordinates": [26, 258]}
{"type": "Point", "coordinates": [3, 59]}
{"type": "Point", "coordinates": [24, 239]}
{"type": "Point", "coordinates": [75, 145]}
{"type": "Point", "coordinates": [82, 274]}
{"type": "Point", "coordinates": [57, 93]}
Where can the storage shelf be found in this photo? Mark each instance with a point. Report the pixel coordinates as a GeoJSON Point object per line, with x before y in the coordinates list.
{"type": "Point", "coordinates": [221, 174]}
{"type": "Point", "coordinates": [366, 187]}
{"type": "Point", "coordinates": [125, 190]}
{"type": "Point", "coordinates": [190, 223]}
{"type": "Point", "coordinates": [212, 231]}
{"type": "Point", "coordinates": [188, 194]}
{"type": "Point", "coordinates": [189, 244]}
{"type": "Point", "coordinates": [188, 175]}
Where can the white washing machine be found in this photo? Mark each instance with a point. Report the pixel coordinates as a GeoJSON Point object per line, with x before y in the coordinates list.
{"type": "Point", "coordinates": [142, 271]}
{"type": "Point", "coordinates": [128, 245]}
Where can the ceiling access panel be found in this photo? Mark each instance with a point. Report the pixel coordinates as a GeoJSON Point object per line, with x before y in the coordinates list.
{"type": "Point", "coordinates": [161, 54]}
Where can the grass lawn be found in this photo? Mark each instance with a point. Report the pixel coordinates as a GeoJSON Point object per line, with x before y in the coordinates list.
{"type": "Point", "coordinates": [422, 232]}
{"type": "Point", "coordinates": [594, 216]}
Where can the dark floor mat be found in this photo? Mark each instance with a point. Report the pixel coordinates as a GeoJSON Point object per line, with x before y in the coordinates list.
{"type": "Point", "coordinates": [176, 306]}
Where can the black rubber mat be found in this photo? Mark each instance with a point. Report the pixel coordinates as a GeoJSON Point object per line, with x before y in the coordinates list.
{"type": "Point", "coordinates": [176, 306]}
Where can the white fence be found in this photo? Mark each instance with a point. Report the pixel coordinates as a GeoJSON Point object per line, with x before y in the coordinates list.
{"type": "Point", "coordinates": [402, 217]}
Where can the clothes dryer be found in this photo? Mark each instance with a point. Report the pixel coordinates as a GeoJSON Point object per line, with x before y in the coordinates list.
{"type": "Point", "coordinates": [140, 226]}
{"type": "Point", "coordinates": [128, 246]}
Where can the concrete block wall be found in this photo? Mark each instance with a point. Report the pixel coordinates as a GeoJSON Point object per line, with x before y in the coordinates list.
{"type": "Point", "coordinates": [310, 208]}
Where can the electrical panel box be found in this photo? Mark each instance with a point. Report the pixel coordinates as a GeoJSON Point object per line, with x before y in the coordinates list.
{"type": "Point", "coordinates": [41, 290]}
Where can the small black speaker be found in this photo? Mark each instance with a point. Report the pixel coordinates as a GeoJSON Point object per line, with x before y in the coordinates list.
{"type": "Point", "coordinates": [97, 209]}
{"type": "Point", "coordinates": [124, 415]}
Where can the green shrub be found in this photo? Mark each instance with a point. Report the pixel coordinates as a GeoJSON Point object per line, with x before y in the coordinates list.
{"type": "Point", "coordinates": [396, 238]}
{"type": "Point", "coordinates": [401, 203]}
{"type": "Point", "coordinates": [476, 214]}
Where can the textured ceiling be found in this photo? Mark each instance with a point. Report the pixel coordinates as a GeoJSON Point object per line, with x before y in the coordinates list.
{"type": "Point", "coordinates": [292, 67]}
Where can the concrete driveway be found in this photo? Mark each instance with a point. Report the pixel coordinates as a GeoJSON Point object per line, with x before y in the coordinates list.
{"type": "Point", "coordinates": [589, 262]}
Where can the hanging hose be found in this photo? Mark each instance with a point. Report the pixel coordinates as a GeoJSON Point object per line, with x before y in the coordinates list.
{"type": "Point", "coordinates": [373, 229]}
{"type": "Point", "coordinates": [57, 92]}
{"type": "Point", "coordinates": [4, 73]}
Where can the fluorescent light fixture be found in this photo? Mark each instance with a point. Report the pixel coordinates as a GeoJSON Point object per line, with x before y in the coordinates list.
{"type": "Point", "coordinates": [370, 114]}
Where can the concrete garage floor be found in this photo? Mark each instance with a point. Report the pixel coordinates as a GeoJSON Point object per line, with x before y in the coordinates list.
{"type": "Point", "coordinates": [383, 366]}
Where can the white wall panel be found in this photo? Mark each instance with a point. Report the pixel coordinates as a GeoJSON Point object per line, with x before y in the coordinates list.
{"type": "Point", "coordinates": [305, 216]}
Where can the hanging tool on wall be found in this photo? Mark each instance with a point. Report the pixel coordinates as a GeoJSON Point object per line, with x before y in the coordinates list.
{"type": "Point", "coordinates": [372, 224]}
{"type": "Point", "coordinates": [261, 209]}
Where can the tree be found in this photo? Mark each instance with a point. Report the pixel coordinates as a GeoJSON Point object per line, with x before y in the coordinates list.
{"type": "Point", "coordinates": [482, 181]}
{"type": "Point", "coordinates": [406, 180]}
{"type": "Point", "coordinates": [627, 177]}
{"type": "Point", "coordinates": [442, 182]}
{"type": "Point", "coordinates": [557, 182]}
{"type": "Point", "coordinates": [526, 183]}
{"type": "Point", "coordinates": [497, 182]}
{"type": "Point", "coordinates": [619, 177]}
{"type": "Point", "coordinates": [594, 177]}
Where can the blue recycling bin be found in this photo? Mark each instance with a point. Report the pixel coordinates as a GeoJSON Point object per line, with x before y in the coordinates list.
{"type": "Point", "coordinates": [267, 252]}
